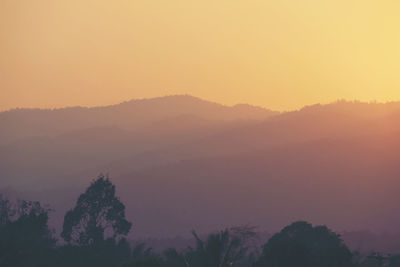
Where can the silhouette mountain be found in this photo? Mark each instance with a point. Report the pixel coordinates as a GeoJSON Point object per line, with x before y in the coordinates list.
{"type": "Point", "coordinates": [39, 145]}
{"type": "Point", "coordinates": [132, 115]}
{"type": "Point", "coordinates": [182, 162]}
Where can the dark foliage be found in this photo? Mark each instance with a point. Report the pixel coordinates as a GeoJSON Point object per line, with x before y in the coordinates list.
{"type": "Point", "coordinates": [105, 254]}
{"type": "Point", "coordinates": [144, 257]}
{"type": "Point", "coordinates": [97, 212]}
{"type": "Point", "coordinates": [222, 249]}
{"type": "Point", "coordinates": [26, 241]}
{"type": "Point", "coordinates": [302, 245]}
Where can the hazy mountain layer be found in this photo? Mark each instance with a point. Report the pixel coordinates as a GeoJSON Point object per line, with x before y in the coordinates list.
{"type": "Point", "coordinates": [181, 163]}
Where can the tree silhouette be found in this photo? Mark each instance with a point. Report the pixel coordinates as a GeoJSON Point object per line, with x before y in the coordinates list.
{"type": "Point", "coordinates": [98, 212]}
{"type": "Point", "coordinates": [25, 239]}
{"type": "Point", "coordinates": [222, 249]}
{"type": "Point", "coordinates": [302, 245]}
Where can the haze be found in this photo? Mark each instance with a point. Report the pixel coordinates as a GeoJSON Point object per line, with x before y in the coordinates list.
{"type": "Point", "coordinates": [276, 54]}
{"type": "Point", "coordinates": [180, 162]}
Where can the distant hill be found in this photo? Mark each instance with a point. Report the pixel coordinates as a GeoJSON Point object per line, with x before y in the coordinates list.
{"type": "Point", "coordinates": [132, 115]}
{"type": "Point", "coordinates": [180, 162]}
{"type": "Point", "coordinates": [350, 184]}
{"type": "Point", "coordinates": [39, 145]}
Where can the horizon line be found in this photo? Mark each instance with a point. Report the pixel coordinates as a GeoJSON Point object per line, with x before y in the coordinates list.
{"type": "Point", "coordinates": [202, 99]}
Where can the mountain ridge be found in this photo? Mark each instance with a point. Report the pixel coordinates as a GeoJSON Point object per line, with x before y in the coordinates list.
{"type": "Point", "coordinates": [205, 167]}
{"type": "Point", "coordinates": [134, 114]}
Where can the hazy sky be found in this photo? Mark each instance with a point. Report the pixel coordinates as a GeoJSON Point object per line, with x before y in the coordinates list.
{"type": "Point", "coordinates": [280, 54]}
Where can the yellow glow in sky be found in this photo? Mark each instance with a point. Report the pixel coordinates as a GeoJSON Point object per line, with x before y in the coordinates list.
{"type": "Point", "coordinates": [278, 54]}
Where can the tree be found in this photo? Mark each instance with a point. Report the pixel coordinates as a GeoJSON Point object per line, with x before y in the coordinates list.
{"type": "Point", "coordinates": [25, 239]}
{"type": "Point", "coordinates": [302, 245]}
{"type": "Point", "coordinates": [222, 249]}
{"type": "Point", "coordinates": [98, 212]}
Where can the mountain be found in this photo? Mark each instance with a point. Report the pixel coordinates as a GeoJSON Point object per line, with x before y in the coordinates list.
{"type": "Point", "coordinates": [180, 162]}
{"type": "Point", "coordinates": [133, 115]}
{"type": "Point", "coordinates": [39, 145]}
{"type": "Point", "coordinates": [350, 184]}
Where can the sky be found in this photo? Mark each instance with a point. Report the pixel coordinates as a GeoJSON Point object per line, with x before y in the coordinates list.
{"type": "Point", "coordinates": [280, 54]}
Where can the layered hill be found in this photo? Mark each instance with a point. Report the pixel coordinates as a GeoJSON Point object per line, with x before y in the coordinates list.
{"type": "Point", "coordinates": [36, 146]}
{"type": "Point", "coordinates": [181, 163]}
{"type": "Point", "coordinates": [133, 115]}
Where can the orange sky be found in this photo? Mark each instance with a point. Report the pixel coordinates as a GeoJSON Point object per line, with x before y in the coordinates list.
{"type": "Point", "coordinates": [278, 54]}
